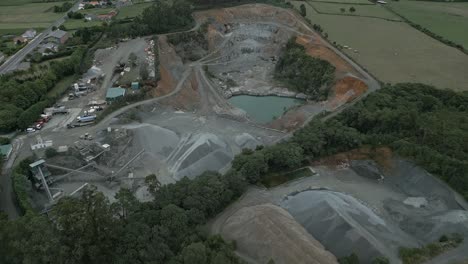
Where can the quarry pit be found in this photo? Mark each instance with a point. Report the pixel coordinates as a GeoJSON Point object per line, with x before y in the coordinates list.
{"type": "Point", "coordinates": [190, 126]}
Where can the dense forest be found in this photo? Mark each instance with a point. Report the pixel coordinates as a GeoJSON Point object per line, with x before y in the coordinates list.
{"type": "Point", "coordinates": [420, 122]}
{"type": "Point", "coordinates": [303, 73]}
{"type": "Point", "coordinates": [90, 229]}
{"type": "Point", "coordinates": [162, 17]}
{"type": "Point", "coordinates": [23, 100]}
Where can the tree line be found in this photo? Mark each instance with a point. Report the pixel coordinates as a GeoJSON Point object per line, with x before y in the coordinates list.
{"type": "Point", "coordinates": [22, 101]}
{"type": "Point", "coordinates": [419, 122]}
{"type": "Point", "coordinates": [304, 73]}
{"type": "Point", "coordinates": [161, 17]}
{"type": "Point", "coordinates": [90, 229]}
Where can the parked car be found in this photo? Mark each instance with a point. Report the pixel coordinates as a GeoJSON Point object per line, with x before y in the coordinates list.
{"type": "Point", "coordinates": [30, 130]}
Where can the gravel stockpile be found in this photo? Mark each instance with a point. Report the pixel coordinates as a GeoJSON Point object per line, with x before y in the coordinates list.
{"type": "Point", "coordinates": [268, 232]}
{"type": "Point", "coordinates": [344, 225]}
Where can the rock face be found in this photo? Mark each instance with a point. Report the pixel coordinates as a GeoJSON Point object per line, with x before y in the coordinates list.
{"type": "Point", "coordinates": [265, 232]}
{"type": "Point", "coordinates": [344, 225]}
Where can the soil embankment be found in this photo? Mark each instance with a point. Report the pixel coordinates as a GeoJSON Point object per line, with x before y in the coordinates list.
{"type": "Point", "coordinates": [268, 232]}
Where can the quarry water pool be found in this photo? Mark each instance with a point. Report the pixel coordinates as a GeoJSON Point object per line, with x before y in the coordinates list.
{"type": "Point", "coordinates": [264, 109]}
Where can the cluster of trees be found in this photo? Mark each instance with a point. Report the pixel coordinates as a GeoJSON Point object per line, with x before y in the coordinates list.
{"type": "Point", "coordinates": [303, 10]}
{"type": "Point", "coordinates": [421, 122]}
{"type": "Point", "coordinates": [162, 17]}
{"type": "Point", "coordinates": [417, 121]}
{"type": "Point", "coordinates": [8, 49]}
{"type": "Point", "coordinates": [315, 140]}
{"type": "Point", "coordinates": [89, 229]}
{"type": "Point", "coordinates": [21, 102]}
{"type": "Point", "coordinates": [63, 8]}
{"type": "Point", "coordinates": [304, 73]}
{"type": "Point", "coordinates": [354, 259]}
{"type": "Point", "coordinates": [351, 9]}
{"type": "Point", "coordinates": [75, 15]}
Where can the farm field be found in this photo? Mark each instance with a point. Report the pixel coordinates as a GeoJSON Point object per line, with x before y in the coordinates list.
{"type": "Point", "coordinates": [133, 10]}
{"type": "Point", "coordinates": [14, 2]}
{"type": "Point", "coordinates": [72, 24]}
{"type": "Point", "coordinates": [361, 10]}
{"type": "Point", "coordinates": [96, 11]}
{"type": "Point", "coordinates": [449, 20]}
{"type": "Point", "coordinates": [360, 2]}
{"type": "Point", "coordinates": [394, 51]}
{"type": "Point", "coordinates": [16, 18]}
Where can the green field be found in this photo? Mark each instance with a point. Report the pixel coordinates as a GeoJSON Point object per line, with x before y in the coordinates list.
{"type": "Point", "coordinates": [449, 20]}
{"type": "Point", "coordinates": [96, 11]}
{"type": "Point", "coordinates": [72, 24]}
{"type": "Point", "coordinates": [394, 51]}
{"type": "Point", "coordinates": [17, 18]}
{"type": "Point", "coordinates": [361, 10]}
{"type": "Point", "coordinates": [358, 2]}
{"type": "Point", "coordinates": [132, 11]}
{"type": "Point", "coordinates": [15, 2]}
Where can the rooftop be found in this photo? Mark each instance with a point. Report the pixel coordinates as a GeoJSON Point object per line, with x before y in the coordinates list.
{"type": "Point", "coordinates": [5, 149]}
{"type": "Point", "coordinates": [115, 92]}
{"type": "Point", "coordinates": [57, 33]}
{"type": "Point", "coordinates": [37, 163]}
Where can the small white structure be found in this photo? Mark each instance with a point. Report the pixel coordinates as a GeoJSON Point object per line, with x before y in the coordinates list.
{"type": "Point", "coordinates": [382, 2]}
{"type": "Point", "coordinates": [62, 149]}
{"type": "Point", "coordinates": [45, 144]}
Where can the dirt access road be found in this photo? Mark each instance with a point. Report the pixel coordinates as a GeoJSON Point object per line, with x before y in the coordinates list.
{"type": "Point", "coordinates": [372, 83]}
{"type": "Point", "coordinates": [213, 97]}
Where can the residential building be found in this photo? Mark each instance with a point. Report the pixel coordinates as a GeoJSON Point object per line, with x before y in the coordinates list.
{"type": "Point", "coordinates": [29, 34]}
{"type": "Point", "coordinates": [47, 48]}
{"type": "Point", "coordinates": [57, 36]}
{"type": "Point", "coordinates": [108, 16]}
{"type": "Point", "coordinates": [19, 40]}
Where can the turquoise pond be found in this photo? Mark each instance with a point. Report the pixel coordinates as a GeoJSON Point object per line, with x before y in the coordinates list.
{"type": "Point", "coordinates": [264, 109]}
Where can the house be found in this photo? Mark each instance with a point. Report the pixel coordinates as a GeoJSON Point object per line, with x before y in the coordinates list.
{"type": "Point", "coordinates": [114, 94]}
{"type": "Point", "coordinates": [47, 48]}
{"type": "Point", "coordinates": [135, 86]}
{"type": "Point", "coordinates": [93, 3]}
{"type": "Point", "coordinates": [29, 34]}
{"type": "Point", "coordinates": [19, 40]}
{"type": "Point", "coordinates": [5, 151]}
{"type": "Point", "coordinates": [108, 16]}
{"type": "Point", "coordinates": [58, 36]}
{"type": "Point", "coordinates": [382, 2]}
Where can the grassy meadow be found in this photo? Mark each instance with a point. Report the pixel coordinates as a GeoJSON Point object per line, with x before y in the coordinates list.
{"type": "Point", "coordinates": [22, 15]}
{"type": "Point", "coordinates": [447, 19]}
{"type": "Point", "coordinates": [132, 11]}
{"type": "Point", "coordinates": [394, 51]}
{"type": "Point", "coordinates": [361, 10]}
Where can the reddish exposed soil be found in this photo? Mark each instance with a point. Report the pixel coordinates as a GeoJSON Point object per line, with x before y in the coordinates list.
{"type": "Point", "coordinates": [382, 155]}
{"type": "Point", "coordinates": [346, 90]}
{"type": "Point", "coordinates": [315, 48]}
{"type": "Point", "coordinates": [289, 121]}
